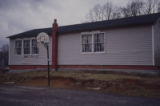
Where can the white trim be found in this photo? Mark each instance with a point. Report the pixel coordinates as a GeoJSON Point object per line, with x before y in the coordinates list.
{"type": "Point", "coordinates": [29, 46]}
{"type": "Point", "coordinates": [15, 52]}
{"type": "Point", "coordinates": [92, 33]}
{"type": "Point", "coordinates": [103, 42]}
{"type": "Point", "coordinates": [83, 33]}
{"type": "Point", "coordinates": [153, 51]}
{"type": "Point", "coordinates": [22, 48]}
{"type": "Point", "coordinates": [92, 42]}
{"type": "Point", "coordinates": [9, 56]}
{"type": "Point", "coordinates": [34, 54]}
{"type": "Point", "coordinates": [92, 52]}
{"type": "Point", "coordinates": [24, 55]}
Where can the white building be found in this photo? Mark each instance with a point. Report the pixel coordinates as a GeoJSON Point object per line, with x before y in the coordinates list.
{"type": "Point", "coordinates": [127, 43]}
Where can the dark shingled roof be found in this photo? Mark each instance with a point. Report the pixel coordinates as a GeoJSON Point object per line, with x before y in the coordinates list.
{"type": "Point", "coordinates": [138, 20]}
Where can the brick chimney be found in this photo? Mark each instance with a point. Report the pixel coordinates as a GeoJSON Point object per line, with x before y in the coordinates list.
{"type": "Point", "coordinates": [54, 45]}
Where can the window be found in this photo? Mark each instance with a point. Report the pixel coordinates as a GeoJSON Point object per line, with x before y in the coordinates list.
{"type": "Point", "coordinates": [98, 42]}
{"type": "Point", "coordinates": [93, 42]}
{"type": "Point", "coordinates": [34, 47]}
{"type": "Point", "coordinates": [87, 43]}
{"type": "Point", "coordinates": [26, 46]}
{"type": "Point", "coordinates": [18, 47]}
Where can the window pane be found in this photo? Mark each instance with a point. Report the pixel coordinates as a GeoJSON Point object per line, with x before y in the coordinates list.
{"type": "Point", "coordinates": [87, 43]}
{"type": "Point", "coordinates": [26, 46]}
{"type": "Point", "coordinates": [99, 42]}
{"type": "Point", "coordinates": [99, 38]}
{"type": "Point", "coordinates": [18, 46]}
{"type": "Point", "coordinates": [86, 39]}
{"type": "Point", "coordinates": [34, 47]}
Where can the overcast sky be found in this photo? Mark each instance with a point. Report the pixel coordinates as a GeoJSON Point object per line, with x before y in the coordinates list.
{"type": "Point", "coordinates": [21, 15]}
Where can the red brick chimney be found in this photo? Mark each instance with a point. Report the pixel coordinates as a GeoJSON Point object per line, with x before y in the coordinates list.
{"type": "Point", "coordinates": [54, 44]}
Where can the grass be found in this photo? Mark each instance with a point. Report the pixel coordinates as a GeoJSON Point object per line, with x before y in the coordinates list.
{"type": "Point", "coordinates": [81, 75]}
{"type": "Point", "coordinates": [90, 76]}
{"type": "Point", "coordinates": [132, 85]}
{"type": "Point", "coordinates": [100, 76]}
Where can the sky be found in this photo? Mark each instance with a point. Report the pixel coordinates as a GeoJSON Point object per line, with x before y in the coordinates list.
{"type": "Point", "coordinates": [17, 16]}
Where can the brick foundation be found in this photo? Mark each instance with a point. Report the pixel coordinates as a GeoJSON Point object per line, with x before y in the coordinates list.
{"type": "Point", "coordinates": [32, 67]}
{"type": "Point", "coordinates": [25, 67]}
{"type": "Point", "coordinates": [109, 67]}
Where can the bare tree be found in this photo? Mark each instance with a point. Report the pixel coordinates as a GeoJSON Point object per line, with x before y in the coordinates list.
{"type": "Point", "coordinates": [158, 8]}
{"type": "Point", "coordinates": [107, 11]}
{"type": "Point", "coordinates": [116, 13]}
{"type": "Point", "coordinates": [133, 8]}
{"type": "Point", "coordinates": [95, 14]}
{"type": "Point", "coordinates": [4, 54]}
{"type": "Point", "coordinates": [99, 13]}
{"type": "Point", "coordinates": [151, 6]}
{"type": "Point", "coordinates": [136, 7]}
{"type": "Point", "coordinates": [125, 11]}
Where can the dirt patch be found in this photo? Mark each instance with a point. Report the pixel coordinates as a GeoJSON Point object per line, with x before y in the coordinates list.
{"type": "Point", "coordinates": [132, 87]}
{"type": "Point", "coordinates": [57, 82]}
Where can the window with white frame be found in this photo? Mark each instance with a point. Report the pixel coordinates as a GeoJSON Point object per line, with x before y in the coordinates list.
{"type": "Point", "coordinates": [98, 42]}
{"type": "Point", "coordinates": [18, 47]}
{"type": "Point", "coordinates": [35, 49]}
{"type": "Point", "coordinates": [26, 46]}
{"type": "Point", "coordinates": [29, 46]}
{"type": "Point", "coordinates": [93, 42]}
{"type": "Point", "coordinates": [87, 43]}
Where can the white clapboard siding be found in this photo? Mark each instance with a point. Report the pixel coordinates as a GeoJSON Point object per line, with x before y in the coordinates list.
{"type": "Point", "coordinates": [40, 59]}
{"type": "Point", "coordinates": [123, 46]}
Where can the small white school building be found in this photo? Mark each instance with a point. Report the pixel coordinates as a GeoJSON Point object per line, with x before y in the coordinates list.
{"type": "Point", "coordinates": [127, 43]}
